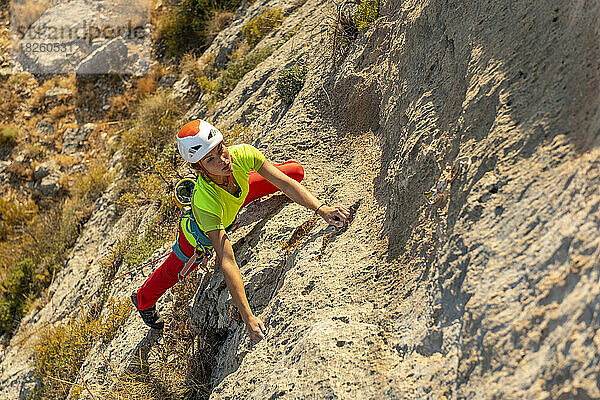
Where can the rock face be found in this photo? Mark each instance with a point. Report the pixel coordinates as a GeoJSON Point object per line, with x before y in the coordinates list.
{"type": "Point", "coordinates": [492, 292]}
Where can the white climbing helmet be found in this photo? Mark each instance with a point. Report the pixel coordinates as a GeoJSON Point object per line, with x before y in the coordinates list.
{"type": "Point", "coordinates": [196, 138]}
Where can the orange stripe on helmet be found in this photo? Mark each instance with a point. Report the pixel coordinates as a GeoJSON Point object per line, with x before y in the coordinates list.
{"type": "Point", "coordinates": [189, 129]}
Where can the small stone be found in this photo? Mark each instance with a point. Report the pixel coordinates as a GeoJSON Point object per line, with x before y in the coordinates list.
{"type": "Point", "coordinates": [57, 92]}
{"type": "Point", "coordinates": [73, 139]}
{"type": "Point", "coordinates": [45, 169]}
{"type": "Point", "coordinates": [167, 81]}
{"type": "Point", "coordinates": [49, 185]}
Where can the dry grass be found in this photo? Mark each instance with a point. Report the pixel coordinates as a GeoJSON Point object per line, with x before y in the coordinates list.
{"type": "Point", "coordinates": [9, 104]}
{"type": "Point", "coordinates": [219, 20]}
{"type": "Point", "coordinates": [241, 50]}
{"type": "Point", "coordinates": [155, 125]}
{"type": "Point", "coordinates": [120, 106]}
{"type": "Point", "coordinates": [22, 170]}
{"type": "Point", "coordinates": [45, 238]}
{"type": "Point", "coordinates": [59, 112]}
{"type": "Point", "coordinates": [35, 151]}
{"type": "Point", "coordinates": [149, 83]}
{"type": "Point", "coordinates": [16, 213]}
{"type": "Point", "coordinates": [90, 185]}
{"type": "Point", "coordinates": [64, 160]}
{"type": "Point", "coordinates": [38, 98]}
{"type": "Point", "coordinates": [28, 12]}
{"type": "Point", "coordinates": [21, 80]}
{"type": "Point", "coordinates": [62, 349]}
{"type": "Point", "coordinates": [196, 67]}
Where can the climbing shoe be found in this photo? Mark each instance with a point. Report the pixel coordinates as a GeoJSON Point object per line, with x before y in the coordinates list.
{"type": "Point", "coordinates": [151, 317]}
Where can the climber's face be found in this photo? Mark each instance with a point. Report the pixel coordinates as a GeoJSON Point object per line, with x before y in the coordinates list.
{"type": "Point", "coordinates": [218, 161]}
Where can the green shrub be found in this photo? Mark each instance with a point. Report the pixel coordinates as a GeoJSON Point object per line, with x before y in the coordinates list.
{"type": "Point", "coordinates": [13, 291]}
{"type": "Point", "coordinates": [185, 27]}
{"type": "Point", "coordinates": [290, 82]}
{"type": "Point", "coordinates": [36, 151]}
{"type": "Point", "coordinates": [262, 24]}
{"type": "Point", "coordinates": [350, 21]}
{"type": "Point", "coordinates": [90, 185]}
{"type": "Point", "coordinates": [367, 13]}
{"type": "Point", "coordinates": [234, 72]}
{"type": "Point", "coordinates": [8, 134]}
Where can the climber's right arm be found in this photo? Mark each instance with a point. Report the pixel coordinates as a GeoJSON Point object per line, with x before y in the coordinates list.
{"type": "Point", "coordinates": [233, 278]}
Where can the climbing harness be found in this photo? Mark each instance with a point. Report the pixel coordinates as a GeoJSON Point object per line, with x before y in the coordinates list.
{"type": "Point", "coordinates": [460, 165]}
{"type": "Point", "coordinates": [183, 194]}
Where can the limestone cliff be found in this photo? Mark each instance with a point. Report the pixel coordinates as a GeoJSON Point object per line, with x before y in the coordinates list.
{"type": "Point", "coordinates": [491, 292]}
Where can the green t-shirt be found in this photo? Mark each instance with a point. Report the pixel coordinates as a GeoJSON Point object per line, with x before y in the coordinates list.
{"type": "Point", "coordinates": [213, 206]}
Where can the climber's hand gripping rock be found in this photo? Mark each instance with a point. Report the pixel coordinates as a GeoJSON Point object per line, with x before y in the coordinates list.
{"type": "Point", "coordinates": [334, 215]}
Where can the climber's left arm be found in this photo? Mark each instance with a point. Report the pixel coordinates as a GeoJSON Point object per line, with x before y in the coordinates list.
{"type": "Point", "coordinates": [334, 215]}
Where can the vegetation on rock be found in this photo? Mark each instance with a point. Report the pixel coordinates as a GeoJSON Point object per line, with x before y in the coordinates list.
{"type": "Point", "coordinates": [259, 26]}
{"type": "Point", "coordinates": [290, 82]}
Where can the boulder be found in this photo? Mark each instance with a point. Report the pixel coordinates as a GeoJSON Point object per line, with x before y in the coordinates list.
{"type": "Point", "coordinates": [36, 57]}
{"type": "Point", "coordinates": [109, 58]}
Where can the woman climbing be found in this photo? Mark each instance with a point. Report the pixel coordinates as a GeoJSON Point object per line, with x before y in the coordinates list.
{"type": "Point", "coordinates": [229, 178]}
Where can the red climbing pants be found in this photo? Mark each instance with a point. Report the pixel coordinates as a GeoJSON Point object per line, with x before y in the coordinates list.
{"type": "Point", "coordinates": [165, 276]}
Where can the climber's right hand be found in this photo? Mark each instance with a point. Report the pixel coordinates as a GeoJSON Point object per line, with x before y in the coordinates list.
{"type": "Point", "coordinates": [256, 328]}
{"type": "Point", "coordinates": [336, 215]}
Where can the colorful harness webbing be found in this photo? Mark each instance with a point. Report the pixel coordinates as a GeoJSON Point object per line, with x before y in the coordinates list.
{"type": "Point", "coordinates": [195, 236]}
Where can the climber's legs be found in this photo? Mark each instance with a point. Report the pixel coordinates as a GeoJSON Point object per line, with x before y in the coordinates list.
{"type": "Point", "coordinates": [164, 276]}
{"type": "Point", "coordinates": [260, 187]}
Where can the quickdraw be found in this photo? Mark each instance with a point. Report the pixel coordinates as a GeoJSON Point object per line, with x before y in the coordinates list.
{"type": "Point", "coordinates": [460, 165]}
{"type": "Point", "coordinates": [199, 251]}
